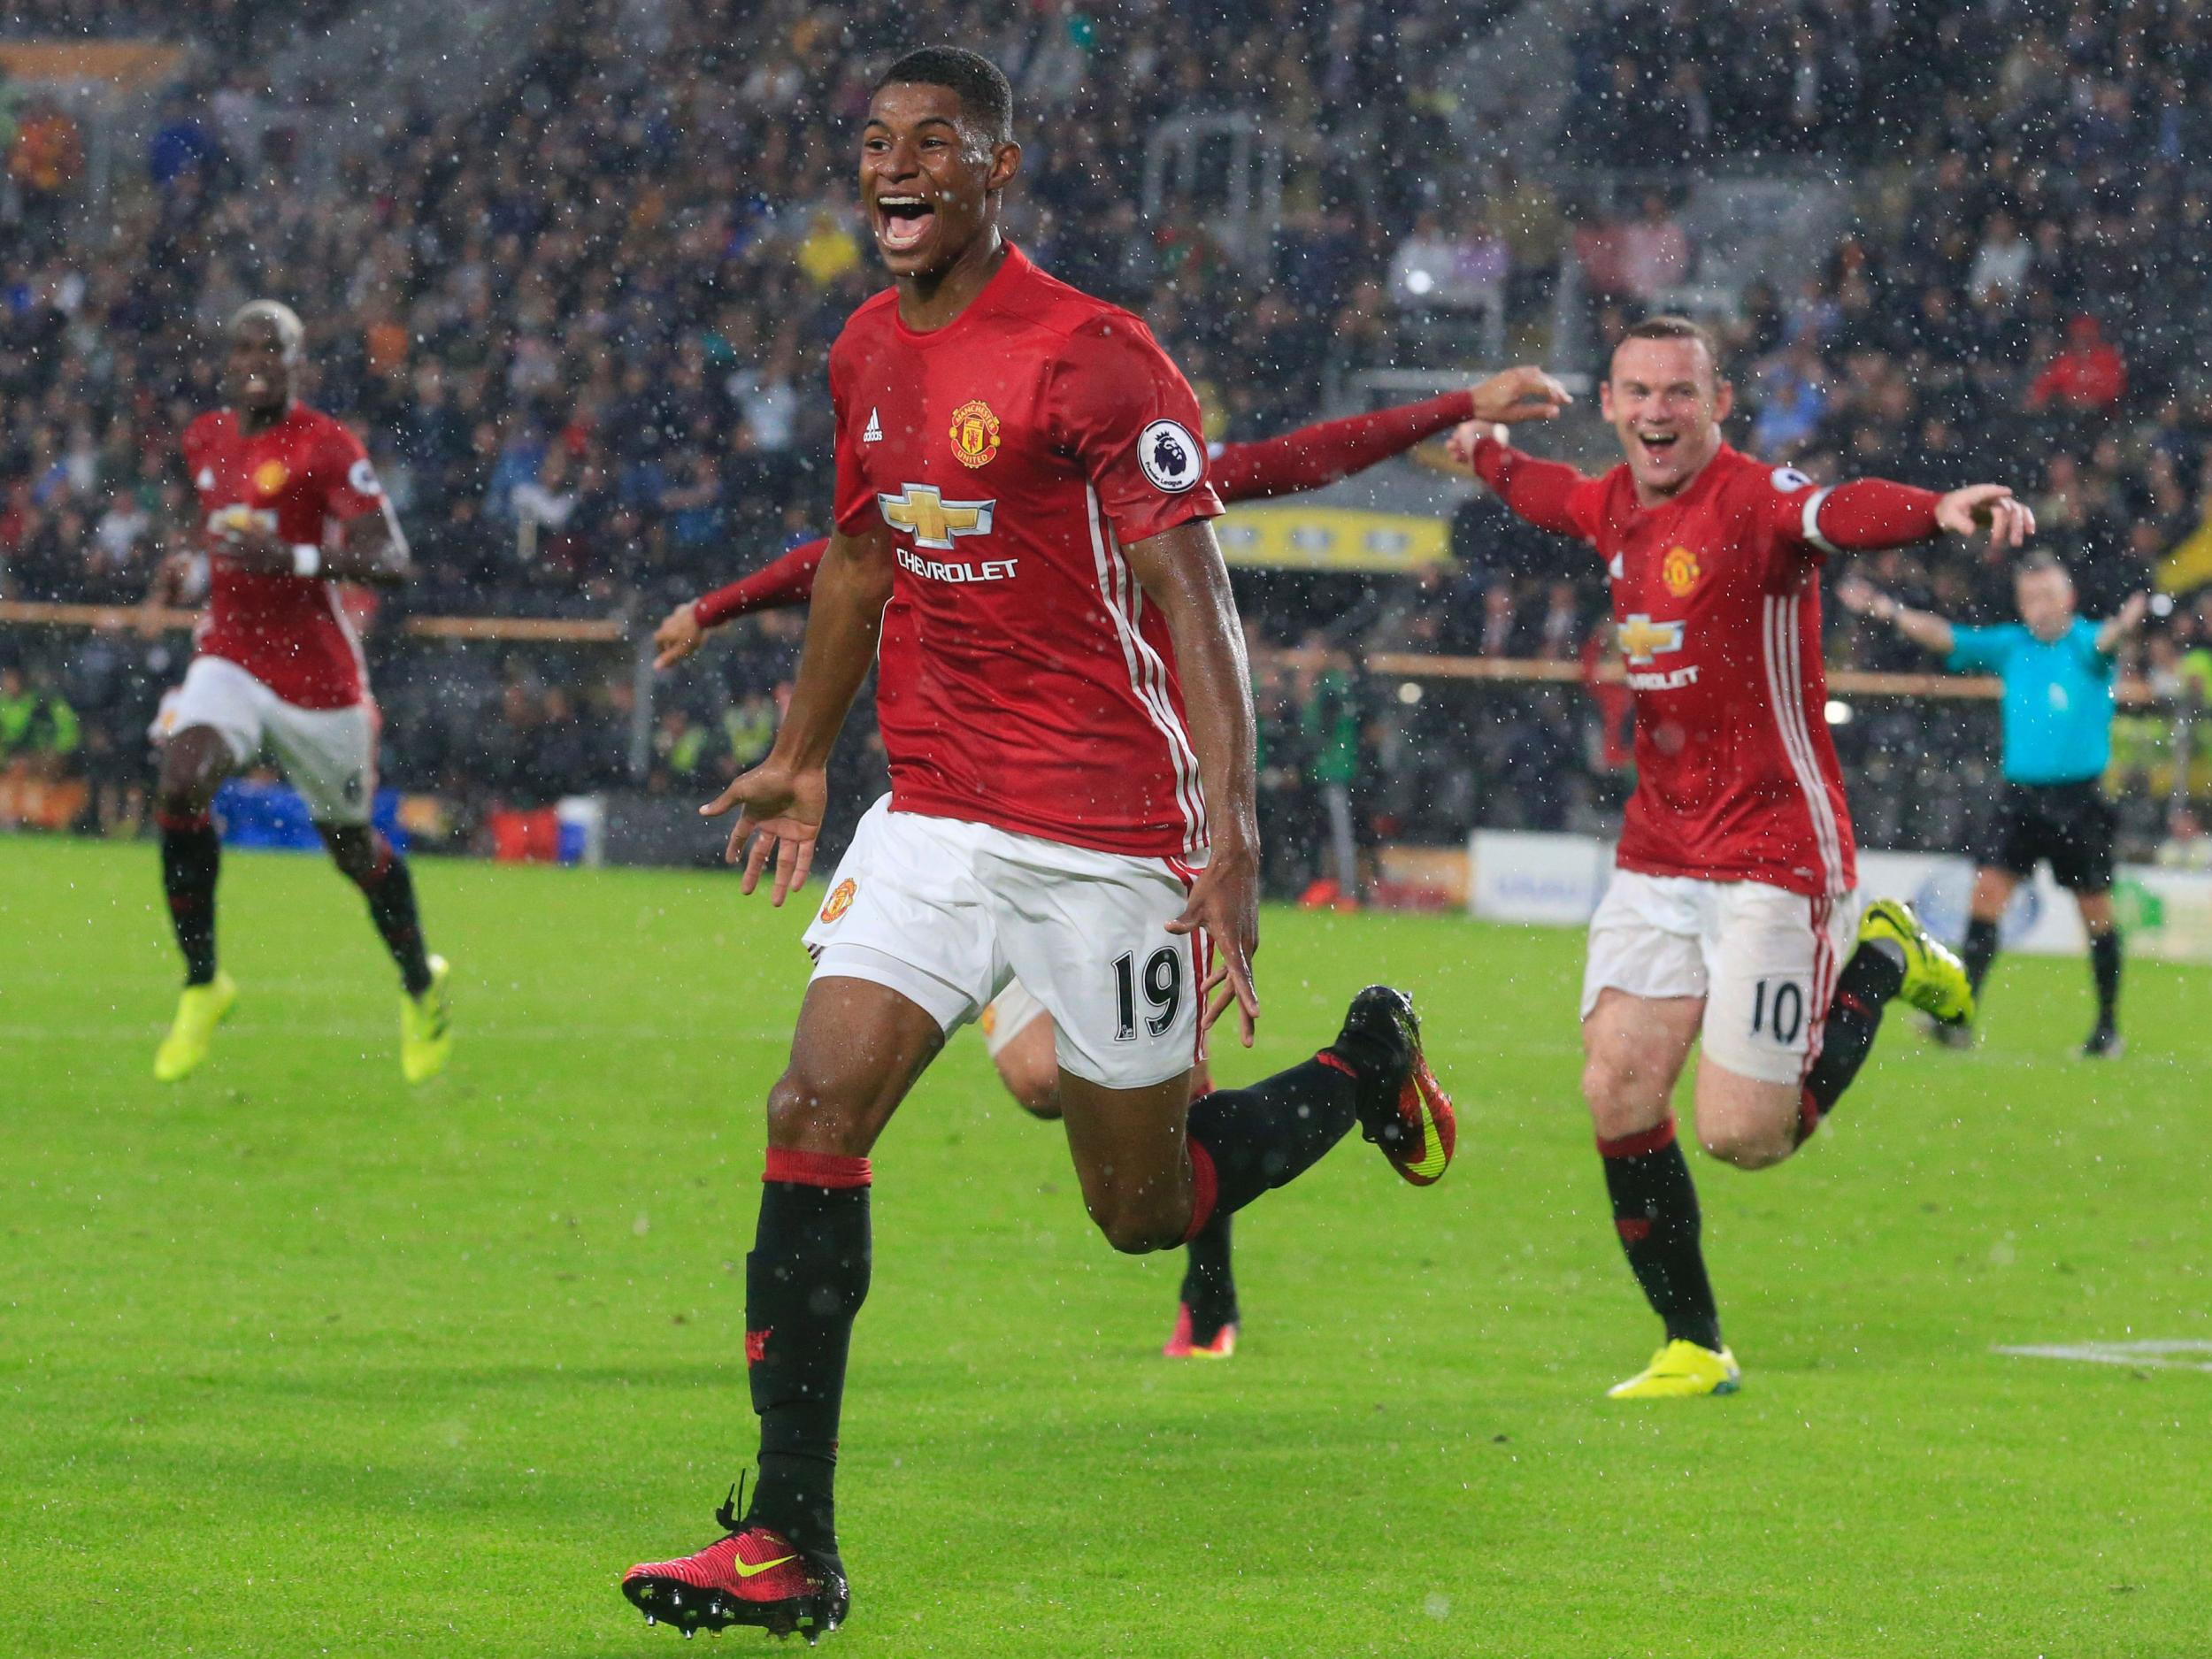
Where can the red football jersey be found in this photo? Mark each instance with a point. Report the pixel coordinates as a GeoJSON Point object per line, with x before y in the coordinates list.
{"type": "Point", "coordinates": [288, 631]}
{"type": "Point", "coordinates": [1716, 604]}
{"type": "Point", "coordinates": [1023, 682]}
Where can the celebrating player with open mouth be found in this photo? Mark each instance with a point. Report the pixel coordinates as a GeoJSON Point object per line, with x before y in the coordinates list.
{"type": "Point", "coordinates": [1017, 1031]}
{"type": "Point", "coordinates": [1733, 915]}
{"type": "Point", "coordinates": [1022, 539]}
{"type": "Point", "coordinates": [279, 670]}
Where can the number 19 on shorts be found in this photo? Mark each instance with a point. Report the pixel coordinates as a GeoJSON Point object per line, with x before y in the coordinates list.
{"type": "Point", "coordinates": [1161, 981]}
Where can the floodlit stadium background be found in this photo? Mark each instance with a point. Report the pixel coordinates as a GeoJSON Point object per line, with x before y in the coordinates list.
{"type": "Point", "coordinates": [572, 270]}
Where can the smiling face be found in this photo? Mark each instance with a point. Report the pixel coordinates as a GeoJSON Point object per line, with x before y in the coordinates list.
{"type": "Point", "coordinates": [258, 373]}
{"type": "Point", "coordinates": [929, 178]}
{"type": "Point", "coordinates": [1666, 400]}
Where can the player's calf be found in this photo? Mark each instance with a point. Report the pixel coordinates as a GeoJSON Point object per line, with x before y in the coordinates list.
{"type": "Point", "coordinates": [1895, 957]}
{"type": "Point", "coordinates": [366, 859]}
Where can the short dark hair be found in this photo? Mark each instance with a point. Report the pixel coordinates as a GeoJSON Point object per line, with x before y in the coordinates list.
{"type": "Point", "coordinates": [2035, 561]}
{"type": "Point", "coordinates": [981, 86]}
{"type": "Point", "coordinates": [1671, 326]}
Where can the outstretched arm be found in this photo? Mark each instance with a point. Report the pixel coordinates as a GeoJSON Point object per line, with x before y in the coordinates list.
{"type": "Point", "coordinates": [1542, 492]}
{"type": "Point", "coordinates": [781, 802]}
{"type": "Point", "coordinates": [780, 583]}
{"type": "Point", "coordinates": [1315, 457]}
{"type": "Point", "coordinates": [2121, 623]}
{"type": "Point", "coordinates": [1183, 573]}
{"type": "Point", "coordinates": [1923, 627]}
{"type": "Point", "coordinates": [1871, 514]}
{"type": "Point", "coordinates": [788, 580]}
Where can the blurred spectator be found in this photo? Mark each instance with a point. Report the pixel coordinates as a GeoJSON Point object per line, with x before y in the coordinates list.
{"type": "Point", "coordinates": [2087, 376]}
{"type": "Point", "coordinates": [45, 160]}
{"type": "Point", "coordinates": [1655, 250]}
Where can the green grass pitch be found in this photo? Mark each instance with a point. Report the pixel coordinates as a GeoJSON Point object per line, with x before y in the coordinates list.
{"type": "Point", "coordinates": [295, 1361]}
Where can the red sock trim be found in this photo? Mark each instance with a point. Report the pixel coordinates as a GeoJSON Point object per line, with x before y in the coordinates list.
{"type": "Point", "coordinates": [1205, 1189]}
{"type": "Point", "coordinates": [1808, 1116]}
{"type": "Point", "coordinates": [1336, 1063]}
{"type": "Point", "coordinates": [1636, 1146]}
{"type": "Point", "coordinates": [816, 1169]}
{"type": "Point", "coordinates": [179, 826]}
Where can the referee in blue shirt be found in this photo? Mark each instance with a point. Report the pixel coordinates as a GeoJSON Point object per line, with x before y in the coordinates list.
{"type": "Point", "coordinates": [2057, 669]}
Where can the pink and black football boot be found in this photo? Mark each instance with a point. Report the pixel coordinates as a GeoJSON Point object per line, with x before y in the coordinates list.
{"type": "Point", "coordinates": [753, 1576]}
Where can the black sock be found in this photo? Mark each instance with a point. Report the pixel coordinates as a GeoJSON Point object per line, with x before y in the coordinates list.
{"type": "Point", "coordinates": [1870, 978]}
{"type": "Point", "coordinates": [2104, 963]}
{"type": "Point", "coordinates": [1210, 1290]}
{"type": "Point", "coordinates": [804, 1282]}
{"type": "Point", "coordinates": [1979, 951]}
{"type": "Point", "coordinates": [191, 856]}
{"type": "Point", "coordinates": [391, 891]}
{"type": "Point", "coordinates": [1655, 1213]}
{"type": "Point", "coordinates": [1262, 1136]}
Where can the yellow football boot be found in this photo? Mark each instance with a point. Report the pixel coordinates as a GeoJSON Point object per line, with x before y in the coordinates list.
{"type": "Point", "coordinates": [1680, 1371]}
{"type": "Point", "coordinates": [1935, 979]}
{"type": "Point", "coordinates": [192, 1034]}
{"type": "Point", "coordinates": [426, 1028]}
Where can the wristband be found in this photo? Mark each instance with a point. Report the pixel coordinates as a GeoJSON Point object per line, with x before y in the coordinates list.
{"type": "Point", "coordinates": [307, 559]}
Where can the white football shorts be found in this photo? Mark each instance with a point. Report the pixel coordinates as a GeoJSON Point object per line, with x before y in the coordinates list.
{"type": "Point", "coordinates": [328, 754]}
{"type": "Point", "coordinates": [947, 912]}
{"type": "Point", "coordinates": [1008, 1014]}
{"type": "Point", "coordinates": [1765, 960]}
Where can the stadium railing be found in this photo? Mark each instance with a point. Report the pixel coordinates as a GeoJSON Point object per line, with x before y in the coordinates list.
{"type": "Point", "coordinates": [1477, 724]}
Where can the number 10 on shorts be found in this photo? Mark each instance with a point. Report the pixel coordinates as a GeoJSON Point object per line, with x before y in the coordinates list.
{"type": "Point", "coordinates": [1163, 982]}
{"type": "Point", "coordinates": [1777, 1011]}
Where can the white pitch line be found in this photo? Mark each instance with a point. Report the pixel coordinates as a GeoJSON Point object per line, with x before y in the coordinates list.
{"type": "Point", "coordinates": [2153, 1354]}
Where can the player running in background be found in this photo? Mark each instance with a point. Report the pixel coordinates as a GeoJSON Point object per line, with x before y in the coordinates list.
{"type": "Point", "coordinates": [1017, 1031]}
{"type": "Point", "coordinates": [278, 671]}
{"type": "Point", "coordinates": [1731, 916]}
{"type": "Point", "coordinates": [2057, 669]}
{"type": "Point", "coordinates": [1022, 542]}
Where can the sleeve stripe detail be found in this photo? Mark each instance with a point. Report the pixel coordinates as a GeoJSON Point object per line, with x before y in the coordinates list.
{"type": "Point", "coordinates": [1813, 504]}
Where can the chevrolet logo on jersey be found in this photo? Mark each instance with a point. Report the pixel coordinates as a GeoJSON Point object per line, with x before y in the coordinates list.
{"type": "Point", "coordinates": [932, 520]}
{"type": "Point", "coordinates": [1642, 639]}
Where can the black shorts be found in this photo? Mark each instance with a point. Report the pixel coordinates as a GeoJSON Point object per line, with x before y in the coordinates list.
{"type": "Point", "coordinates": [2071, 825]}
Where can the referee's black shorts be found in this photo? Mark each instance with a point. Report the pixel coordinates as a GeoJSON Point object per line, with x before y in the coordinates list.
{"type": "Point", "coordinates": [2071, 825]}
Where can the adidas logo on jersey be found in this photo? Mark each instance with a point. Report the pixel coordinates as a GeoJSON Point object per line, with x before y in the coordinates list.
{"type": "Point", "coordinates": [874, 433]}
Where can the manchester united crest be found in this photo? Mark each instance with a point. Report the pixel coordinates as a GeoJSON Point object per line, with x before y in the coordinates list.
{"type": "Point", "coordinates": [839, 901]}
{"type": "Point", "coordinates": [1680, 570]}
{"type": "Point", "coordinates": [974, 434]}
{"type": "Point", "coordinates": [270, 477]}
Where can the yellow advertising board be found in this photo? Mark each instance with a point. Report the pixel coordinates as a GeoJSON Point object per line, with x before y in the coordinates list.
{"type": "Point", "coordinates": [1332, 539]}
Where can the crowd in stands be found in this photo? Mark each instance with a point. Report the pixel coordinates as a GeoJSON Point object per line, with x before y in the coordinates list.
{"type": "Point", "coordinates": [582, 327]}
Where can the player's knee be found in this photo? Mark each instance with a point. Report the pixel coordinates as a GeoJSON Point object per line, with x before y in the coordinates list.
{"type": "Point", "coordinates": [805, 1116]}
{"type": "Point", "coordinates": [1622, 1101]}
{"type": "Point", "coordinates": [353, 850]}
{"type": "Point", "coordinates": [1029, 1065]}
{"type": "Point", "coordinates": [181, 794]}
{"type": "Point", "coordinates": [1035, 1089]}
{"type": "Point", "coordinates": [1748, 1146]}
{"type": "Point", "coordinates": [1140, 1225]}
